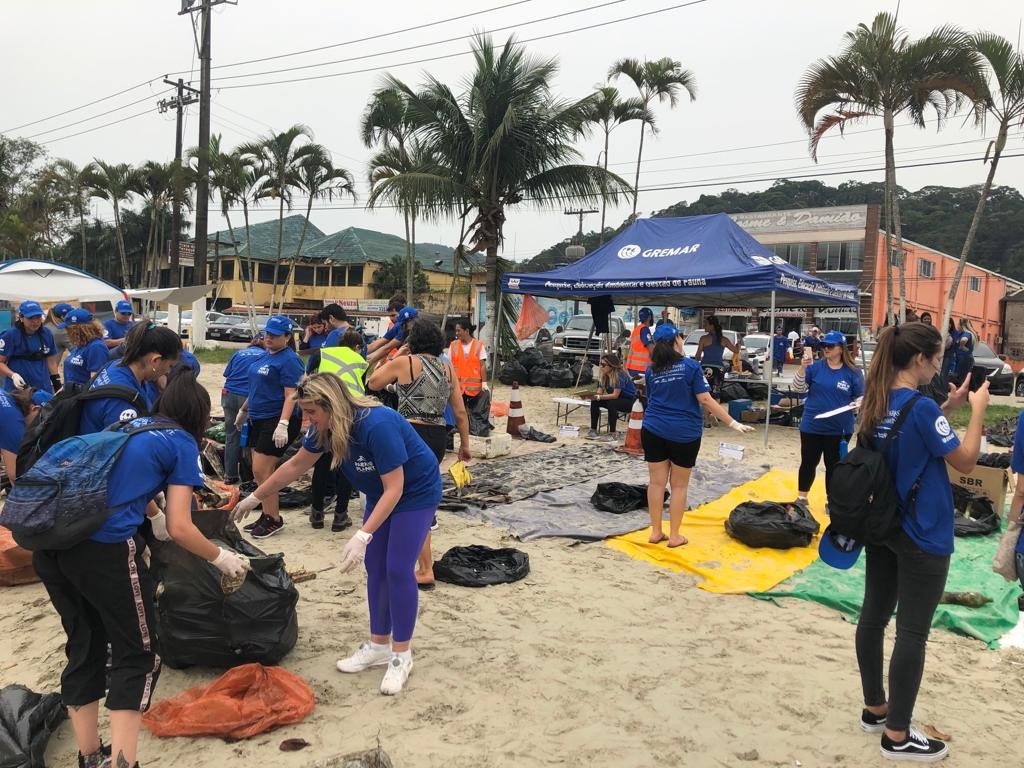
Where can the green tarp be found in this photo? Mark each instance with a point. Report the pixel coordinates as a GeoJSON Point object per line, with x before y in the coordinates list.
{"type": "Point", "coordinates": [970, 571]}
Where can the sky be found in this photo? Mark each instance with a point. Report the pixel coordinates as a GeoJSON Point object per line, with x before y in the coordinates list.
{"type": "Point", "coordinates": [741, 130]}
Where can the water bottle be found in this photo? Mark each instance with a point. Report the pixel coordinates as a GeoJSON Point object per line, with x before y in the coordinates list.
{"type": "Point", "coordinates": [843, 447]}
{"type": "Point", "coordinates": [244, 439]}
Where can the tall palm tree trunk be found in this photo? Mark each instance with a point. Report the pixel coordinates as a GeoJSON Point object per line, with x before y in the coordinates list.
{"type": "Point", "coordinates": [125, 277]}
{"type": "Point", "coordinates": [410, 276]}
{"type": "Point", "coordinates": [972, 232]}
{"type": "Point", "coordinates": [639, 155]}
{"type": "Point", "coordinates": [81, 232]}
{"type": "Point", "coordinates": [890, 172]}
{"type": "Point", "coordinates": [290, 279]}
{"type": "Point", "coordinates": [604, 192]}
{"type": "Point", "coordinates": [890, 183]}
{"type": "Point", "coordinates": [277, 261]}
{"type": "Point", "coordinates": [408, 257]}
{"type": "Point", "coordinates": [250, 268]}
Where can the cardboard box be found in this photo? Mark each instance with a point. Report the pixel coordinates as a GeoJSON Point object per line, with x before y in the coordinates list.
{"type": "Point", "coordinates": [753, 416]}
{"type": "Point", "coordinates": [989, 481]}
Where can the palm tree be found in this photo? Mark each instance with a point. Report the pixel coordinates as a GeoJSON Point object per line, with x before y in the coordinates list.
{"type": "Point", "coordinates": [76, 183]}
{"type": "Point", "coordinates": [157, 190]}
{"type": "Point", "coordinates": [1006, 105]}
{"type": "Point", "coordinates": [662, 80]}
{"type": "Point", "coordinates": [608, 112]}
{"type": "Point", "coordinates": [279, 155]}
{"type": "Point", "coordinates": [116, 183]}
{"type": "Point", "coordinates": [880, 72]}
{"type": "Point", "coordinates": [507, 140]}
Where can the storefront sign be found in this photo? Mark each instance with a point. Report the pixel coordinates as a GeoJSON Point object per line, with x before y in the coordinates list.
{"type": "Point", "coordinates": [805, 220]}
{"type": "Point", "coordinates": [349, 305]}
{"type": "Point", "coordinates": [373, 305]}
{"type": "Point", "coordinates": [735, 311]}
{"type": "Point", "coordinates": [835, 312]}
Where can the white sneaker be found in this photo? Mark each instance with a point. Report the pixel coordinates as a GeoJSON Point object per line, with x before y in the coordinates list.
{"type": "Point", "coordinates": [367, 656]}
{"type": "Point", "coordinates": [396, 675]}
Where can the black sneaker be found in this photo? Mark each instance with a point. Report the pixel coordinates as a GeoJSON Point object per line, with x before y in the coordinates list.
{"type": "Point", "coordinates": [916, 747]}
{"type": "Point", "coordinates": [98, 759]}
{"type": "Point", "coordinates": [266, 527]}
{"type": "Point", "coordinates": [254, 523]}
{"type": "Point", "coordinates": [433, 523]}
{"type": "Point", "coordinates": [340, 522]}
{"type": "Point", "coordinates": [871, 723]}
{"type": "Point", "coordinates": [316, 518]}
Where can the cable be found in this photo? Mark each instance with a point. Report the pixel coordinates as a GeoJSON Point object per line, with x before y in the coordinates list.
{"type": "Point", "coordinates": [83, 106]}
{"type": "Point", "coordinates": [93, 117]}
{"type": "Point", "coordinates": [463, 53]}
{"type": "Point", "coordinates": [98, 127]}
{"type": "Point", "coordinates": [419, 45]}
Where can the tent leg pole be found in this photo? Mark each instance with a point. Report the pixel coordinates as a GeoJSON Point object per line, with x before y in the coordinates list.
{"type": "Point", "coordinates": [771, 370]}
{"type": "Point", "coordinates": [586, 354]}
{"type": "Point", "coordinates": [499, 318]}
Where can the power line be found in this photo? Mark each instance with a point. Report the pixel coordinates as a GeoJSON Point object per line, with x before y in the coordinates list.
{"type": "Point", "coordinates": [93, 117]}
{"type": "Point", "coordinates": [98, 127]}
{"type": "Point", "coordinates": [463, 53]}
{"type": "Point", "coordinates": [82, 106]}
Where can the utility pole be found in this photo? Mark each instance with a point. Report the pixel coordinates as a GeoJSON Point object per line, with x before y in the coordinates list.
{"type": "Point", "coordinates": [178, 103]}
{"type": "Point", "coordinates": [581, 213]}
{"type": "Point", "coordinates": [576, 251]}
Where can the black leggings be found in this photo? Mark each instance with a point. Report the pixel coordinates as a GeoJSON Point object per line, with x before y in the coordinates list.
{"type": "Point", "coordinates": [615, 407]}
{"type": "Point", "coordinates": [330, 482]}
{"type": "Point", "coordinates": [898, 573]}
{"type": "Point", "coordinates": [812, 447]}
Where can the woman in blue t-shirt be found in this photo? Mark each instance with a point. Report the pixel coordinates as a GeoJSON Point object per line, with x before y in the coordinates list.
{"type": "Point", "coordinates": [384, 458]}
{"type": "Point", "coordinates": [232, 398]}
{"type": "Point", "coordinates": [908, 572]}
{"type": "Point", "coordinates": [616, 393]}
{"type": "Point", "coordinates": [102, 588]}
{"type": "Point", "coordinates": [87, 354]}
{"type": "Point", "coordinates": [830, 383]}
{"type": "Point", "coordinates": [677, 394]}
{"type": "Point", "coordinates": [28, 353]}
{"type": "Point", "coordinates": [1017, 502]}
{"type": "Point", "coordinates": [18, 409]}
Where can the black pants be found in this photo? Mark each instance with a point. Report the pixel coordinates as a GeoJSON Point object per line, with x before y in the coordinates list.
{"type": "Point", "coordinates": [812, 447]}
{"type": "Point", "coordinates": [329, 482]}
{"type": "Point", "coordinates": [104, 594]}
{"type": "Point", "coordinates": [435, 436]}
{"type": "Point", "coordinates": [615, 407]}
{"type": "Point", "coordinates": [897, 573]}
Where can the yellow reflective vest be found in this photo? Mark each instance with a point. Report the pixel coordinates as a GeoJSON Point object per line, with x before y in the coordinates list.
{"type": "Point", "coordinates": [347, 364]}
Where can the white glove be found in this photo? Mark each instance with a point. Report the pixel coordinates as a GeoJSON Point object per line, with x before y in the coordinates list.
{"type": "Point", "coordinates": [281, 434]}
{"type": "Point", "coordinates": [485, 387]}
{"type": "Point", "coordinates": [739, 426]}
{"type": "Point", "coordinates": [244, 508]}
{"type": "Point", "coordinates": [159, 523]}
{"type": "Point", "coordinates": [355, 550]}
{"type": "Point", "coordinates": [17, 381]}
{"type": "Point", "coordinates": [230, 563]}
{"type": "Point", "coordinates": [241, 418]}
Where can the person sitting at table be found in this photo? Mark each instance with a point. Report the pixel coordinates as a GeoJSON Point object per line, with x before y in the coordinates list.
{"type": "Point", "coordinates": [616, 393]}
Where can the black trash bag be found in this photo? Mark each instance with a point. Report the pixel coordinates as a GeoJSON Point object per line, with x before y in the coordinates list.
{"type": "Point", "coordinates": [997, 460]}
{"type": "Point", "coordinates": [561, 377]}
{"type": "Point", "coordinates": [539, 376]}
{"type": "Point", "coordinates": [587, 377]}
{"type": "Point", "coordinates": [771, 524]}
{"type": "Point", "coordinates": [781, 419]}
{"type": "Point", "coordinates": [732, 391]}
{"type": "Point", "coordinates": [532, 358]}
{"type": "Point", "coordinates": [756, 390]}
{"type": "Point", "coordinates": [200, 625]}
{"type": "Point", "coordinates": [479, 566]}
{"type": "Point", "coordinates": [288, 498]}
{"type": "Point", "coordinates": [973, 513]}
{"type": "Point", "coordinates": [27, 719]}
{"type": "Point", "coordinates": [619, 498]}
{"type": "Point", "coordinates": [513, 371]}
{"type": "Point", "coordinates": [479, 411]}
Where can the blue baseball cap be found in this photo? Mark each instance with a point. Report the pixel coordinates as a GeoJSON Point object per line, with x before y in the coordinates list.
{"type": "Point", "coordinates": [837, 550]}
{"type": "Point", "coordinates": [834, 337]}
{"type": "Point", "coordinates": [39, 397]}
{"type": "Point", "coordinates": [645, 314]}
{"type": "Point", "coordinates": [124, 307]}
{"type": "Point", "coordinates": [665, 332]}
{"type": "Point", "coordinates": [62, 309]}
{"type": "Point", "coordinates": [406, 314]}
{"type": "Point", "coordinates": [278, 325]}
{"type": "Point", "coordinates": [78, 316]}
{"type": "Point", "coordinates": [30, 309]}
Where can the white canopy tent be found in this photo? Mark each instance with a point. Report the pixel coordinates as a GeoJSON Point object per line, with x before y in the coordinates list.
{"type": "Point", "coordinates": [193, 296]}
{"type": "Point", "coordinates": [47, 281]}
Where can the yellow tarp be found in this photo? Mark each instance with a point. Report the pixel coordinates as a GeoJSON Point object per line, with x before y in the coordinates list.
{"type": "Point", "coordinates": [726, 565]}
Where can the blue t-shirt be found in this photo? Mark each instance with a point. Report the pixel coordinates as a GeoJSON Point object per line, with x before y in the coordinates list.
{"type": "Point", "coordinates": [1017, 464]}
{"type": "Point", "coordinates": [394, 333]}
{"type": "Point", "coordinates": [334, 337]}
{"type": "Point", "coordinates": [82, 362]}
{"type": "Point", "coordinates": [18, 347]}
{"type": "Point", "coordinates": [12, 424]}
{"type": "Point", "coordinates": [268, 376]}
{"type": "Point", "coordinates": [625, 385]}
{"type": "Point", "coordinates": [236, 374]}
{"type": "Point", "coordinates": [645, 335]}
{"type": "Point", "coordinates": [828, 389]}
{"type": "Point", "coordinates": [918, 451]}
{"type": "Point", "coordinates": [315, 342]}
{"type": "Point", "coordinates": [148, 464]}
{"type": "Point", "coordinates": [381, 441]}
{"type": "Point", "coordinates": [812, 342]}
{"type": "Point", "coordinates": [116, 330]}
{"type": "Point", "coordinates": [673, 411]}
{"type": "Point", "coordinates": [779, 346]}
{"type": "Point", "coordinates": [100, 414]}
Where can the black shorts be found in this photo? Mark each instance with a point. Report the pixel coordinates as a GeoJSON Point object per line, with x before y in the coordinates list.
{"type": "Point", "coordinates": [658, 449]}
{"type": "Point", "coordinates": [434, 435]}
{"type": "Point", "coordinates": [261, 435]}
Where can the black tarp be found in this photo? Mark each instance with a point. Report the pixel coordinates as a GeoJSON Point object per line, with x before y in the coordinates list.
{"type": "Point", "coordinates": [27, 719]}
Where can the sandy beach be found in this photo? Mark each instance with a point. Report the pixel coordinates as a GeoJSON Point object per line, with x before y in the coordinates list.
{"type": "Point", "coordinates": [593, 660]}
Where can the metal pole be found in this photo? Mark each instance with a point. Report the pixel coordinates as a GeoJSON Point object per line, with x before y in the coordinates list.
{"type": "Point", "coordinates": [771, 370]}
{"type": "Point", "coordinates": [203, 174]}
{"type": "Point", "coordinates": [500, 318]}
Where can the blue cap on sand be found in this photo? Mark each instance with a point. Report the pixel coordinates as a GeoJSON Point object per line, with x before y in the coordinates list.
{"type": "Point", "coordinates": [837, 550]}
{"type": "Point", "coordinates": [124, 307]}
{"type": "Point", "coordinates": [78, 316]}
{"type": "Point", "coordinates": [30, 309]}
{"type": "Point", "coordinates": [834, 337]}
{"type": "Point", "coordinates": [278, 325]}
{"type": "Point", "coordinates": [665, 332]}
{"type": "Point", "coordinates": [62, 309]}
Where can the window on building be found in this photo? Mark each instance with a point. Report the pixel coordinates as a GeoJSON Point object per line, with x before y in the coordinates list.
{"type": "Point", "coordinates": [840, 255]}
{"type": "Point", "coordinates": [265, 273]}
{"type": "Point", "coordinates": [797, 254]}
{"type": "Point", "coordinates": [355, 275]}
{"type": "Point", "coordinates": [925, 268]}
{"type": "Point", "coordinates": [974, 284]}
{"type": "Point", "coordinates": [338, 278]}
{"type": "Point", "coordinates": [243, 270]}
{"type": "Point", "coordinates": [227, 270]}
{"type": "Point", "coordinates": [323, 275]}
{"type": "Point", "coordinates": [303, 275]}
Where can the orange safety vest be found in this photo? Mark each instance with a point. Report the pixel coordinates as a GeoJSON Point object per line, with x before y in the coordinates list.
{"type": "Point", "coordinates": [467, 367]}
{"type": "Point", "coordinates": [639, 357]}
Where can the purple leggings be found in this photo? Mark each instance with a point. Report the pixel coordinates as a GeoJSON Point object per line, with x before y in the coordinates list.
{"type": "Point", "coordinates": [390, 580]}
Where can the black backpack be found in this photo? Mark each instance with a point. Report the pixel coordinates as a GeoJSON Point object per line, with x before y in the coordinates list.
{"type": "Point", "coordinates": [862, 499]}
{"type": "Point", "coordinates": [59, 418]}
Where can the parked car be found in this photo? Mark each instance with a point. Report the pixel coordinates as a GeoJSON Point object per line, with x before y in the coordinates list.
{"type": "Point", "coordinates": [541, 340]}
{"type": "Point", "coordinates": [692, 340]}
{"type": "Point", "coordinates": [219, 329]}
{"type": "Point", "coordinates": [867, 352]}
{"type": "Point", "coordinates": [571, 343]}
{"type": "Point", "coordinates": [1000, 375]}
{"type": "Point", "coordinates": [242, 332]}
{"type": "Point", "coordinates": [756, 346]}
{"type": "Point", "coordinates": [160, 318]}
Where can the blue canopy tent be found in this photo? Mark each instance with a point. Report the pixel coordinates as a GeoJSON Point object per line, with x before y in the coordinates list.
{"type": "Point", "coordinates": [709, 260]}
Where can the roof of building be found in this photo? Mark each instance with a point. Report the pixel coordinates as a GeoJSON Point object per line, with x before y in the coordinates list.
{"type": "Point", "coordinates": [263, 237]}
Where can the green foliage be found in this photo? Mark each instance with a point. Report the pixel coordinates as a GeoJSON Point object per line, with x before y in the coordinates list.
{"type": "Point", "coordinates": [389, 279]}
{"type": "Point", "coordinates": [214, 356]}
{"type": "Point", "coordinates": [993, 415]}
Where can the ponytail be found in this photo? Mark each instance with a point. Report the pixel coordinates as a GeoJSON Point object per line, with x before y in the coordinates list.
{"type": "Point", "coordinates": [896, 350]}
{"type": "Point", "coordinates": [148, 338]}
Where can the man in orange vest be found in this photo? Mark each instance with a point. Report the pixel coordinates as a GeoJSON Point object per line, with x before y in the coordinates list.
{"type": "Point", "coordinates": [640, 342]}
{"type": "Point", "coordinates": [469, 358]}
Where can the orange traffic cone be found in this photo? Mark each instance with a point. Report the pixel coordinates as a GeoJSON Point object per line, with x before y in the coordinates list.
{"type": "Point", "coordinates": [636, 421]}
{"type": "Point", "coordinates": [516, 415]}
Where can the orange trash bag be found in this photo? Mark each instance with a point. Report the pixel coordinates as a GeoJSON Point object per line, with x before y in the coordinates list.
{"type": "Point", "coordinates": [242, 702]}
{"type": "Point", "coordinates": [15, 562]}
{"type": "Point", "coordinates": [499, 409]}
